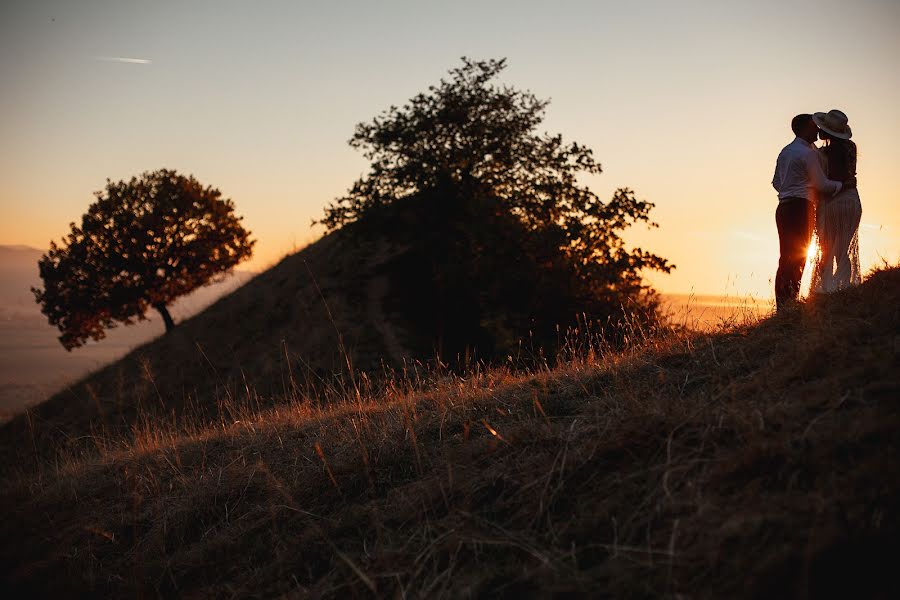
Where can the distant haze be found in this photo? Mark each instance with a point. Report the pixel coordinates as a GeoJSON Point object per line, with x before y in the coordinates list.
{"type": "Point", "coordinates": [18, 272]}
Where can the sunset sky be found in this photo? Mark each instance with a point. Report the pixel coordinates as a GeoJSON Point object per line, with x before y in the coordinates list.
{"type": "Point", "coordinates": [688, 103]}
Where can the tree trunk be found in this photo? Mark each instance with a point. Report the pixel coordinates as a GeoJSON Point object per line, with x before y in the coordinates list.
{"type": "Point", "coordinates": [166, 317]}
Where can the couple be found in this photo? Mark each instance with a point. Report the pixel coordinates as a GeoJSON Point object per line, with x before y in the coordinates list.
{"type": "Point", "coordinates": [817, 189]}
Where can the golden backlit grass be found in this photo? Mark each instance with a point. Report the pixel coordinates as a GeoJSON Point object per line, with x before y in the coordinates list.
{"type": "Point", "coordinates": [757, 461]}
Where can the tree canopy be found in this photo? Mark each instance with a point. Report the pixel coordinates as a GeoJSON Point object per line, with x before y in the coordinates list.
{"type": "Point", "coordinates": [470, 149]}
{"type": "Point", "coordinates": [141, 244]}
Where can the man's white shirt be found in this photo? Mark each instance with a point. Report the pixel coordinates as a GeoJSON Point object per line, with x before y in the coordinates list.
{"type": "Point", "coordinates": [799, 174]}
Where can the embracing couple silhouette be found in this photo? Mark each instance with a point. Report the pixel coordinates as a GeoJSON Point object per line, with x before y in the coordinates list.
{"type": "Point", "coordinates": [817, 203]}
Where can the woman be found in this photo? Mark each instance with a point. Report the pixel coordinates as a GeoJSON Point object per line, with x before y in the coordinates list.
{"type": "Point", "coordinates": [837, 217]}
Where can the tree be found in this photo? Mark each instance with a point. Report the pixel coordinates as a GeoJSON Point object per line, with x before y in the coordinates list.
{"type": "Point", "coordinates": [474, 144]}
{"type": "Point", "coordinates": [142, 244]}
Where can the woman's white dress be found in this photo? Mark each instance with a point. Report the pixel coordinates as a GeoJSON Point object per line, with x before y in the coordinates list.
{"type": "Point", "coordinates": [837, 236]}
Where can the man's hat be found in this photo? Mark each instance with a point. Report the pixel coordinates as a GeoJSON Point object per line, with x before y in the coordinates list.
{"type": "Point", "coordinates": [833, 122]}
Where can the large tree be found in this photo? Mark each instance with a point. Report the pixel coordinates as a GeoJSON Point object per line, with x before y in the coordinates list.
{"type": "Point", "coordinates": [142, 244]}
{"type": "Point", "coordinates": [470, 149]}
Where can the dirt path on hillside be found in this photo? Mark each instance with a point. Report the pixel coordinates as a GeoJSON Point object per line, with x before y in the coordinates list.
{"type": "Point", "coordinates": [376, 291]}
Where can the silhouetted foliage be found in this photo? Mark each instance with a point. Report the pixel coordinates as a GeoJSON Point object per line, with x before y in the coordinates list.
{"type": "Point", "coordinates": [510, 243]}
{"type": "Point", "coordinates": [142, 244]}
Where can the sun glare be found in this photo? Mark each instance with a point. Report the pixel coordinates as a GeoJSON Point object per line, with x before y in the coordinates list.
{"type": "Point", "coordinates": [806, 282]}
{"type": "Point", "coordinates": [811, 251]}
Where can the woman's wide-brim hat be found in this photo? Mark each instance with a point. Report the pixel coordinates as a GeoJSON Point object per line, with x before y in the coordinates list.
{"type": "Point", "coordinates": [834, 122]}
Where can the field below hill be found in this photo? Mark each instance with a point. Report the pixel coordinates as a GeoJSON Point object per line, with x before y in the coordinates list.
{"type": "Point", "coordinates": [761, 460]}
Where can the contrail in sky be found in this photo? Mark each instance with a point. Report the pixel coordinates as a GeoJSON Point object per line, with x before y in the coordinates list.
{"type": "Point", "coordinates": [122, 59]}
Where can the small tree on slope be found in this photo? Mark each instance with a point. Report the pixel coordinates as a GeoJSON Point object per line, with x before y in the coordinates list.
{"type": "Point", "coordinates": [142, 244]}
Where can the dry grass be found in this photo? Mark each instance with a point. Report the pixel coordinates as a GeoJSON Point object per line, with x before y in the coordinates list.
{"type": "Point", "coordinates": [759, 461]}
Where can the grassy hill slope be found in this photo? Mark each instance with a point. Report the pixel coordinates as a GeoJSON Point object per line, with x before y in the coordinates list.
{"type": "Point", "coordinates": [757, 462]}
{"type": "Point", "coordinates": [275, 336]}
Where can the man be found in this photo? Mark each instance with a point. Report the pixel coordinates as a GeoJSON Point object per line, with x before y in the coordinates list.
{"type": "Point", "coordinates": [799, 180]}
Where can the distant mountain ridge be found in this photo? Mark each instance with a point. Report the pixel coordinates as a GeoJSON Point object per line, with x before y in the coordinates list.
{"type": "Point", "coordinates": [17, 248]}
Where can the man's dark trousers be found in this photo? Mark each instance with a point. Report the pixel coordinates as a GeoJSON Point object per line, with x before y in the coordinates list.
{"type": "Point", "coordinates": [794, 218]}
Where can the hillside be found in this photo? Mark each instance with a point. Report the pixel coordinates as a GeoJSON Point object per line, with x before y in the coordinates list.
{"type": "Point", "coordinates": [755, 462]}
{"type": "Point", "coordinates": [276, 335]}
{"type": "Point", "coordinates": [434, 278]}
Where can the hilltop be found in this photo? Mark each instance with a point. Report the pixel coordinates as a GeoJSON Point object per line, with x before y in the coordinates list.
{"type": "Point", "coordinates": [760, 461]}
